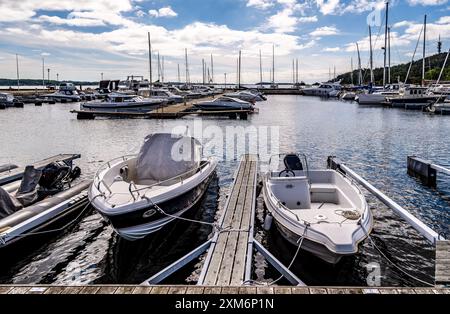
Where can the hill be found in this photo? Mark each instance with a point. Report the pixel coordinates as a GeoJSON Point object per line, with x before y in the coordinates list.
{"type": "Point", "coordinates": [433, 65]}
{"type": "Point", "coordinates": [38, 82]}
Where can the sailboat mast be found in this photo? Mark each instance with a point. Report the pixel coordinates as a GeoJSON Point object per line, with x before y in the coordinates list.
{"type": "Point", "coordinates": [239, 68]}
{"type": "Point", "coordinates": [150, 59]}
{"type": "Point", "coordinates": [389, 55]}
{"type": "Point", "coordinates": [260, 67]}
{"type": "Point", "coordinates": [187, 66]}
{"type": "Point", "coordinates": [162, 69]}
{"type": "Point", "coordinates": [203, 71]}
{"type": "Point", "coordinates": [17, 68]}
{"type": "Point", "coordinates": [212, 69]}
{"type": "Point", "coordinates": [385, 42]}
{"type": "Point", "coordinates": [359, 66]}
{"type": "Point", "coordinates": [424, 48]}
{"type": "Point", "coordinates": [293, 71]}
{"type": "Point", "coordinates": [351, 68]}
{"type": "Point", "coordinates": [179, 77]}
{"type": "Point", "coordinates": [372, 79]}
{"type": "Point", "coordinates": [296, 71]}
{"type": "Point", "coordinates": [273, 64]}
{"type": "Point", "coordinates": [159, 68]}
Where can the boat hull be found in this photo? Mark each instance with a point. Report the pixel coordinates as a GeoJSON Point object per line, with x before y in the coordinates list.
{"type": "Point", "coordinates": [138, 224]}
{"type": "Point", "coordinates": [120, 107]}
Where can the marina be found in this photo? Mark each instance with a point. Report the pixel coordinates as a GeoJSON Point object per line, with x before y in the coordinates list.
{"type": "Point", "coordinates": [215, 156]}
{"type": "Point", "coordinates": [271, 255]}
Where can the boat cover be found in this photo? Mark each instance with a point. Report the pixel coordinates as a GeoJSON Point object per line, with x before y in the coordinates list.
{"type": "Point", "coordinates": [164, 156]}
{"type": "Point", "coordinates": [8, 204]}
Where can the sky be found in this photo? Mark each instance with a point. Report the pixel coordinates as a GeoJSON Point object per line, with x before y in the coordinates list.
{"type": "Point", "coordinates": [81, 39]}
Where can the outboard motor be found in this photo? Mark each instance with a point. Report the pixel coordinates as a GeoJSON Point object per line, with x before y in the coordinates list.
{"type": "Point", "coordinates": [292, 162]}
{"type": "Point", "coordinates": [54, 176]}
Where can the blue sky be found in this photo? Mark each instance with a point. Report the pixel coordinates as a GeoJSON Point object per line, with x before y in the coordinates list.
{"type": "Point", "coordinates": [81, 39]}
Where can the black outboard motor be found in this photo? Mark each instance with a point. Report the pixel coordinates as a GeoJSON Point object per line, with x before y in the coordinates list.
{"type": "Point", "coordinates": [56, 174]}
{"type": "Point", "coordinates": [292, 162]}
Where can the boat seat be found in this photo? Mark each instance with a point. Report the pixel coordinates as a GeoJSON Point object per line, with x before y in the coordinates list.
{"type": "Point", "coordinates": [323, 188]}
{"type": "Point", "coordinates": [293, 193]}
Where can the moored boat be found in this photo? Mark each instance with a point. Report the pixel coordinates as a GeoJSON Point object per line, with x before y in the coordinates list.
{"type": "Point", "coordinates": [319, 209]}
{"type": "Point", "coordinates": [140, 194]}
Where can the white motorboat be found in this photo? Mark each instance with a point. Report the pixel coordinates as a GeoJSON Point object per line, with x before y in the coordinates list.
{"type": "Point", "coordinates": [140, 194]}
{"type": "Point", "coordinates": [161, 94]}
{"type": "Point", "coordinates": [245, 96]}
{"type": "Point", "coordinates": [378, 96]}
{"type": "Point", "coordinates": [348, 96]}
{"type": "Point", "coordinates": [8, 100]}
{"type": "Point", "coordinates": [116, 102]}
{"type": "Point", "coordinates": [66, 92]}
{"type": "Point", "coordinates": [224, 103]}
{"type": "Point", "coordinates": [321, 206]}
{"type": "Point", "coordinates": [323, 90]}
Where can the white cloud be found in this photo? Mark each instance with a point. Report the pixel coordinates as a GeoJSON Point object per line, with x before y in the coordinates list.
{"type": "Point", "coordinates": [260, 4]}
{"type": "Point", "coordinates": [71, 21]}
{"type": "Point", "coordinates": [402, 24]}
{"type": "Point", "coordinates": [332, 49]}
{"type": "Point", "coordinates": [427, 2]}
{"type": "Point", "coordinates": [327, 7]}
{"type": "Point", "coordinates": [360, 6]}
{"type": "Point", "coordinates": [163, 12]}
{"type": "Point", "coordinates": [325, 31]}
{"type": "Point", "coordinates": [444, 20]}
{"type": "Point", "coordinates": [287, 19]}
{"type": "Point", "coordinates": [140, 13]}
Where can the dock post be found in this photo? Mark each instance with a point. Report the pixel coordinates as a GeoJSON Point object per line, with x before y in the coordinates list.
{"type": "Point", "coordinates": [423, 170]}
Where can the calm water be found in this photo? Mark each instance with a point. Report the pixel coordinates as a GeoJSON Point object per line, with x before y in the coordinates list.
{"type": "Point", "coordinates": [373, 141]}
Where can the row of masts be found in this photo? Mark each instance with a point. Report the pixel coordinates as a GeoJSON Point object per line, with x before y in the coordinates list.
{"type": "Point", "coordinates": [387, 54]}
{"type": "Point", "coordinates": [208, 76]}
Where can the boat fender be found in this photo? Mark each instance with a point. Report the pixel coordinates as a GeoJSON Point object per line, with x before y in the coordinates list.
{"type": "Point", "coordinates": [268, 222]}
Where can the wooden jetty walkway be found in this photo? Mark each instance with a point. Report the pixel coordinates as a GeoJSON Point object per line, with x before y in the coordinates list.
{"type": "Point", "coordinates": [17, 173]}
{"type": "Point", "coordinates": [188, 290]}
{"type": "Point", "coordinates": [230, 250]}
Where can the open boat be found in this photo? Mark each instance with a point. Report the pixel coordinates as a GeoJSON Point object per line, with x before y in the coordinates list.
{"type": "Point", "coordinates": [321, 206]}
{"type": "Point", "coordinates": [116, 102]}
{"type": "Point", "coordinates": [43, 198]}
{"type": "Point", "coordinates": [224, 103]}
{"type": "Point", "coordinates": [140, 194]}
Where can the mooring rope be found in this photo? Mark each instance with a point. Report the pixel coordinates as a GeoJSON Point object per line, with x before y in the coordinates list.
{"type": "Point", "coordinates": [392, 263]}
{"type": "Point", "coordinates": [218, 228]}
{"type": "Point", "coordinates": [67, 225]}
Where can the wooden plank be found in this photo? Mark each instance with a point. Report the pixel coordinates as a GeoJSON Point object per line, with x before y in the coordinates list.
{"type": "Point", "coordinates": [387, 291]}
{"type": "Point", "coordinates": [230, 253]}
{"type": "Point", "coordinates": [282, 290]}
{"type": "Point", "coordinates": [5, 289]}
{"type": "Point", "coordinates": [54, 290]}
{"type": "Point", "coordinates": [160, 290]}
{"type": "Point", "coordinates": [300, 290]}
{"type": "Point", "coordinates": [317, 290]}
{"type": "Point", "coordinates": [344, 291]}
{"type": "Point", "coordinates": [264, 290]}
{"type": "Point", "coordinates": [90, 290]}
{"type": "Point", "coordinates": [230, 290]}
{"type": "Point", "coordinates": [37, 290]}
{"type": "Point", "coordinates": [71, 290]}
{"type": "Point", "coordinates": [247, 290]}
{"type": "Point", "coordinates": [370, 291]}
{"type": "Point", "coordinates": [442, 268]}
{"type": "Point", "coordinates": [177, 290]}
{"type": "Point", "coordinates": [124, 290]}
{"type": "Point", "coordinates": [142, 290]}
{"type": "Point", "coordinates": [237, 276]}
{"type": "Point", "coordinates": [19, 290]}
{"type": "Point", "coordinates": [212, 290]}
{"type": "Point", "coordinates": [195, 290]}
{"type": "Point", "coordinates": [219, 248]}
{"type": "Point", "coordinates": [107, 290]}
{"type": "Point", "coordinates": [406, 291]}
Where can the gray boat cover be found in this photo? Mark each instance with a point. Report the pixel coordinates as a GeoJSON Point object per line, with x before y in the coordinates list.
{"type": "Point", "coordinates": [164, 156]}
{"type": "Point", "coordinates": [26, 195]}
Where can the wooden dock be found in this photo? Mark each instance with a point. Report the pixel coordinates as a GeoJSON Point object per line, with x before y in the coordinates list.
{"type": "Point", "coordinates": [230, 250]}
{"type": "Point", "coordinates": [17, 173]}
{"type": "Point", "coordinates": [442, 271]}
{"type": "Point", "coordinates": [206, 290]}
